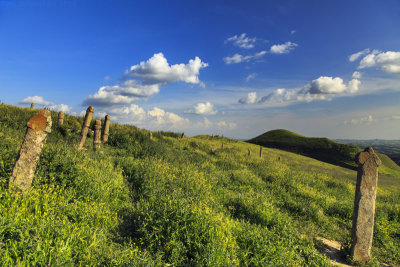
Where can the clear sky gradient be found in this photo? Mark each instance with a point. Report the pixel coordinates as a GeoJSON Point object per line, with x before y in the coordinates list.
{"type": "Point", "coordinates": [237, 68]}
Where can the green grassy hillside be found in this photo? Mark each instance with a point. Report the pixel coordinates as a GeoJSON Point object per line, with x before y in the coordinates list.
{"type": "Point", "coordinates": [177, 202]}
{"type": "Point", "coordinates": [322, 149]}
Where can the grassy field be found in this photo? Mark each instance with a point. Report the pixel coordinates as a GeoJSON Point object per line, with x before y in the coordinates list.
{"type": "Point", "coordinates": [178, 202]}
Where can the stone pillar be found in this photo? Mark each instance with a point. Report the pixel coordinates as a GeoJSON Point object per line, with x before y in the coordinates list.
{"type": "Point", "coordinates": [364, 205]}
{"type": "Point", "coordinates": [96, 135]}
{"type": "Point", "coordinates": [183, 135]}
{"type": "Point", "coordinates": [60, 118]}
{"type": "Point", "coordinates": [150, 135]}
{"type": "Point", "coordinates": [35, 138]}
{"type": "Point", "coordinates": [85, 126]}
{"type": "Point", "coordinates": [260, 151]}
{"type": "Point", "coordinates": [106, 128]}
{"type": "Point", "coordinates": [32, 104]}
{"type": "Point", "coordinates": [222, 146]}
{"type": "Point", "coordinates": [248, 152]}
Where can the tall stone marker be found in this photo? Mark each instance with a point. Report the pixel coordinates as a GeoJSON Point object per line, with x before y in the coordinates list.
{"type": "Point", "coordinates": [183, 135]}
{"type": "Point", "coordinates": [248, 152]}
{"type": "Point", "coordinates": [150, 135]}
{"type": "Point", "coordinates": [260, 151]}
{"type": "Point", "coordinates": [85, 126]}
{"type": "Point", "coordinates": [97, 133]}
{"type": "Point", "coordinates": [32, 104]}
{"type": "Point", "coordinates": [35, 138]}
{"type": "Point", "coordinates": [106, 128]}
{"type": "Point", "coordinates": [364, 205]}
{"type": "Point", "coordinates": [60, 118]}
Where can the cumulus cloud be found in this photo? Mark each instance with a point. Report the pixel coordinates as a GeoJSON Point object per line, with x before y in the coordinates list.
{"type": "Point", "coordinates": [153, 74]}
{"type": "Point", "coordinates": [250, 77]}
{"type": "Point", "coordinates": [35, 99]}
{"type": "Point", "coordinates": [157, 70]}
{"type": "Point", "coordinates": [323, 88]}
{"type": "Point", "coordinates": [39, 100]}
{"type": "Point", "coordinates": [242, 41]}
{"type": "Point", "coordinates": [203, 109]}
{"type": "Point", "coordinates": [292, 31]}
{"type": "Point", "coordinates": [283, 48]}
{"type": "Point", "coordinates": [251, 98]}
{"type": "Point", "coordinates": [356, 75]}
{"type": "Point", "coordinates": [387, 62]}
{"type": "Point", "coordinates": [238, 58]}
{"type": "Point", "coordinates": [355, 56]}
{"type": "Point", "coordinates": [226, 125]}
{"type": "Point", "coordinates": [364, 120]}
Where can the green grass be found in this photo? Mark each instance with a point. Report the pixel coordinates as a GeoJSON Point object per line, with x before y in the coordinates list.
{"type": "Point", "coordinates": [178, 202]}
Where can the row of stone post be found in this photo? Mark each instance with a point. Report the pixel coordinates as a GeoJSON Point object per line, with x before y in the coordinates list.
{"type": "Point", "coordinates": [97, 129]}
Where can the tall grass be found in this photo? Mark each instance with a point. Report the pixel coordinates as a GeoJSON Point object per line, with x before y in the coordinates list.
{"type": "Point", "coordinates": [179, 202]}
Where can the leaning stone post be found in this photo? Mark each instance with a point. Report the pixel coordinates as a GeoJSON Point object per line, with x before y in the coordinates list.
{"type": "Point", "coordinates": [150, 135]}
{"type": "Point", "coordinates": [248, 152]}
{"type": "Point", "coordinates": [106, 128]}
{"type": "Point", "coordinates": [85, 126]}
{"type": "Point", "coordinates": [32, 104]}
{"type": "Point", "coordinates": [260, 151]}
{"type": "Point", "coordinates": [364, 205]}
{"type": "Point", "coordinates": [183, 135]}
{"type": "Point", "coordinates": [60, 118]}
{"type": "Point", "coordinates": [97, 133]}
{"type": "Point", "coordinates": [35, 138]}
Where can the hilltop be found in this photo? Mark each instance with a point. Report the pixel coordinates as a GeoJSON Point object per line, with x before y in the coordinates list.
{"type": "Point", "coordinates": [322, 149]}
{"type": "Point", "coordinates": [199, 201]}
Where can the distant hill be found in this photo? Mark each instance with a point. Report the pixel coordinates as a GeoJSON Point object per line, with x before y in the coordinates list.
{"type": "Point", "coordinates": [388, 147]}
{"type": "Point", "coordinates": [322, 149]}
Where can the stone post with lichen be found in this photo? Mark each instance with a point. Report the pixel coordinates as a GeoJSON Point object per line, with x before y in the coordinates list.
{"type": "Point", "coordinates": [364, 205]}
{"type": "Point", "coordinates": [150, 135]}
{"type": "Point", "coordinates": [248, 152]}
{"type": "Point", "coordinates": [32, 104]}
{"type": "Point", "coordinates": [261, 151]}
{"type": "Point", "coordinates": [97, 134]}
{"type": "Point", "coordinates": [106, 128]}
{"type": "Point", "coordinates": [39, 126]}
{"type": "Point", "coordinates": [60, 118]}
{"type": "Point", "coordinates": [183, 135]}
{"type": "Point", "coordinates": [85, 126]}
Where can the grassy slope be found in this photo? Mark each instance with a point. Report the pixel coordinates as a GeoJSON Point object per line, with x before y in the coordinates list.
{"type": "Point", "coordinates": [178, 201]}
{"type": "Point", "coordinates": [322, 149]}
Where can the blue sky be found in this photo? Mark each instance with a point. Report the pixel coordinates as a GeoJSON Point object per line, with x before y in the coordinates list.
{"type": "Point", "coordinates": [237, 68]}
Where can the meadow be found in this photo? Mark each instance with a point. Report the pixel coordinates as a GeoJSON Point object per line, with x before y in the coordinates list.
{"type": "Point", "coordinates": [171, 201]}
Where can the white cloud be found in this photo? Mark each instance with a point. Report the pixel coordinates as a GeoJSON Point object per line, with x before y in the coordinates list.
{"type": "Point", "coordinates": [238, 58]}
{"type": "Point", "coordinates": [387, 62]}
{"type": "Point", "coordinates": [356, 75]}
{"type": "Point", "coordinates": [157, 70]}
{"type": "Point", "coordinates": [283, 48]}
{"type": "Point", "coordinates": [38, 100]}
{"type": "Point", "coordinates": [251, 77]}
{"type": "Point", "coordinates": [365, 120]}
{"type": "Point", "coordinates": [251, 98]}
{"type": "Point", "coordinates": [357, 55]}
{"type": "Point", "coordinates": [154, 73]}
{"type": "Point", "coordinates": [226, 125]}
{"type": "Point", "coordinates": [203, 109]}
{"type": "Point", "coordinates": [161, 117]}
{"type": "Point", "coordinates": [323, 88]}
{"type": "Point", "coordinates": [242, 41]}
{"type": "Point", "coordinates": [292, 31]}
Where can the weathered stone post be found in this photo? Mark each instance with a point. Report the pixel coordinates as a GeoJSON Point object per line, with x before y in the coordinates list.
{"type": "Point", "coordinates": [222, 146]}
{"type": "Point", "coordinates": [97, 133]}
{"type": "Point", "coordinates": [150, 135]}
{"type": "Point", "coordinates": [248, 152]}
{"type": "Point", "coordinates": [106, 128]}
{"type": "Point", "coordinates": [35, 138]}
{"type": "Point", "coordinates": [85, 126]}
{"type": "Point", "coordinates": [60, 118]}
{"type": "Point", "coordinates": [32, 104]}
{"type": "Point", "coordinates": [364, 205]}
{"type": "Point", "coordinates": [183, 135]}
{"type": "Point", "coordinates": [260, 151]}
